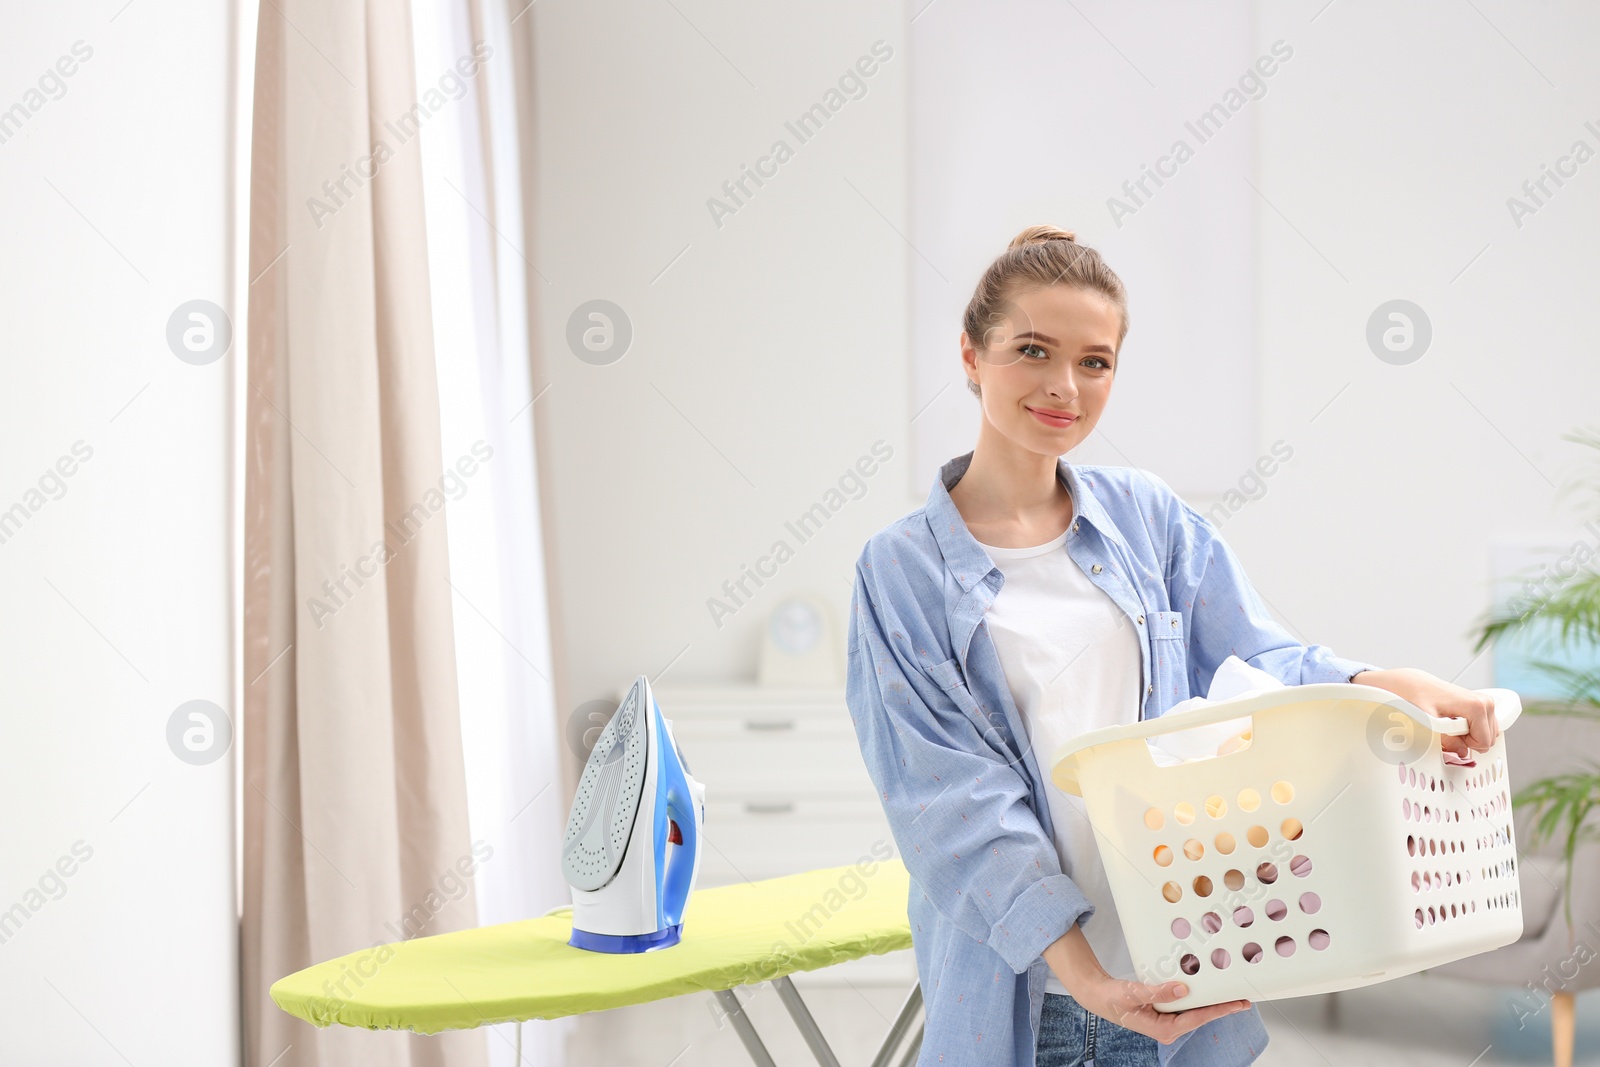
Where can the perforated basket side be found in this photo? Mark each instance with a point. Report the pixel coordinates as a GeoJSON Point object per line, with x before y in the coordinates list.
{"type": "Point", "coordinates": [1460, 855]}
{"type": "Point", "coordinates": [1280, 870]}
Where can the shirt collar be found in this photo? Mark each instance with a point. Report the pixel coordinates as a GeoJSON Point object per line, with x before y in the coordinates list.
{"type": "Point", "coordinates": [963, 555]}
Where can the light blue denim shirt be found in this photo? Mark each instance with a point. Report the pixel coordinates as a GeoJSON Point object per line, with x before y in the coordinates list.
{"type": "Point", "coordinates": [946, 748]}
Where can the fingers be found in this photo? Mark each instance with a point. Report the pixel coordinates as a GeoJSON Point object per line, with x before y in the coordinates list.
{"type": "Point", "coordinates": [1132, 996]}
{"type": "Point", "coordinates": [1159, 994]}
{"type": "Point", "coordinates": [1480, 715]}
{"type": "Point", "coordinates": [1483, 730]}
{"type": "Point", "coordinates": [1132, 1006]}
{"type": "Point", "coordinates": [1445, 699]}
{"type": "Point", "coordinates": [1169, 1027]}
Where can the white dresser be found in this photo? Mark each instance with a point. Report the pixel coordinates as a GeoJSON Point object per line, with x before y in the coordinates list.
{"type": "Point", "coordinates": [786, 792]}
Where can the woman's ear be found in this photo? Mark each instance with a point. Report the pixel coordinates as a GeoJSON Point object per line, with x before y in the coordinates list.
{"type": "Point", "coordinates": [969, 362]}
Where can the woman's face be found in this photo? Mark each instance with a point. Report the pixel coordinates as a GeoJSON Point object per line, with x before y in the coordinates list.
{"type": "Point", "coordinates": [1052, 353]}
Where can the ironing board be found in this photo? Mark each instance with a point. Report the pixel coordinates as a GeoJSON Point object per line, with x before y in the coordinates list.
{"type": "Point", "coordinates": [732, 935]}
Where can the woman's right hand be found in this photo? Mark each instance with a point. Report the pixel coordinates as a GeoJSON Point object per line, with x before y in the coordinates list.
{"type": "Point", "coordinates": [1131, 1005]}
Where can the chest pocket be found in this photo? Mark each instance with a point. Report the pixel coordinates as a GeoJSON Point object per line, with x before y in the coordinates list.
{"type": "Point", "coordinates": [1166, 625]}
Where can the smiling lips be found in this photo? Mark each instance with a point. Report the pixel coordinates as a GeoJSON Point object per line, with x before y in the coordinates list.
{"type": "Point", "coordinates": [1054, 418]}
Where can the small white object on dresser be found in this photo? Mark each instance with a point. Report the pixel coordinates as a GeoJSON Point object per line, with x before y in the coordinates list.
{"type": "Point", "coordinates": [786, 792]}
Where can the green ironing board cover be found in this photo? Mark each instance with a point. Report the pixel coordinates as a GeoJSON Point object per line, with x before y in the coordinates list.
{"type": "Point", "coordinates": [732, 935]}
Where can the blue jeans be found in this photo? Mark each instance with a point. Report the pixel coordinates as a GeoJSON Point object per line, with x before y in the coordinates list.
{"type": "Point", "coordinates": [1072, 1036]}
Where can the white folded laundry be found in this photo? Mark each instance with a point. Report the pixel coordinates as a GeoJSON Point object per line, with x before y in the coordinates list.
{"type": "Point", "coordinates": [1234, 678]}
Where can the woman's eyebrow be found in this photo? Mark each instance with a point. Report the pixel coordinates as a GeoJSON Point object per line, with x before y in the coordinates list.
{"type": "Point", "coordinates": [1047, 339]}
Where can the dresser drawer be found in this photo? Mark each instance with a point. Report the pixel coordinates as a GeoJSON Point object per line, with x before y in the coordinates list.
{"type": "Point", "coordinates": [744, 739]}
{"type": "Point", "coordinates": [801, 759]}
{"type": "Point", "coordinates": [760, 837]}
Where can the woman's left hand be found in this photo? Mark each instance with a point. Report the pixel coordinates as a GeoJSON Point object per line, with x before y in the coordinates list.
{"type": "Point", "coordinates": [1439, 697]}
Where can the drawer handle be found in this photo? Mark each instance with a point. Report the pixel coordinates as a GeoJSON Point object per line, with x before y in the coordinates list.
{"type": "Point", "coordinates": [755, 807]}
{"type": "Point", "coordinates": [769, 724]}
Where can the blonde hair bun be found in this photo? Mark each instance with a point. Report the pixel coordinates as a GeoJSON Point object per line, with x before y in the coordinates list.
{"type": "Point", "coordinates": [1035, 235]}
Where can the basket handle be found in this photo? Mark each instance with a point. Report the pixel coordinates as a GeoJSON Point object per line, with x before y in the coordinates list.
{"type": "Point", "coordinates": [1507, 708]}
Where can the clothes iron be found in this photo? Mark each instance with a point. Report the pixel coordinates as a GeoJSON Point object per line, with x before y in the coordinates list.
{"type": "Point", "coordinates": [632, 848]}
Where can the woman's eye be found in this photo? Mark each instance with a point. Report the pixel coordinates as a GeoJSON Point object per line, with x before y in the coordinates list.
{"type": "Point", "coordinates": [1027, 349]}
{"type": "Point", "coordinates": [1104, 364]}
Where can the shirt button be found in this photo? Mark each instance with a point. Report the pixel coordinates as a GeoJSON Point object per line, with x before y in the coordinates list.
{"type": "Point", "coordinates": [1096, 568]}
{"type": "Point", "coordinates": [1151, 688]}
{"type": "Point", "coordinates": [1141, 620]}
{"type": "Point", "coordinates": [1074, 527]}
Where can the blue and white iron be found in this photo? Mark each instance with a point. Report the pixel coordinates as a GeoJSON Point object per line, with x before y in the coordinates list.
{"type": "Point", "coordinates": [632, 847]}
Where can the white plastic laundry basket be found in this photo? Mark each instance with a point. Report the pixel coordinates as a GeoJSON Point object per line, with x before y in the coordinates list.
{"type": "Point", "coordinates": [1336, 849]}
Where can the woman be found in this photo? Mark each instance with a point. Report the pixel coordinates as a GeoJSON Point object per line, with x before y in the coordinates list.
{"type": "Point", "coordinates": [1027, 601]}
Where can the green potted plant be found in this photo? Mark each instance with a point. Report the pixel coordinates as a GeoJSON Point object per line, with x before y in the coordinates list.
{"type": "Point", "coordinates": [1559, 614]}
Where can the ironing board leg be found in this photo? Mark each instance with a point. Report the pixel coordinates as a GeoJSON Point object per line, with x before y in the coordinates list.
{"type": "Point", "coordinates": [915, 1047]}
{"type": "Point", "coordinates": [902, 1021]}
{"type": "Point", "coordinates": [808, 1026]}
{"type": "Point", "coordinates": [747, 1032]}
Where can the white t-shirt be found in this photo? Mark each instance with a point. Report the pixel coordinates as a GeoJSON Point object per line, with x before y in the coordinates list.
{"type": "Point", "coordinates": [1071, 660]}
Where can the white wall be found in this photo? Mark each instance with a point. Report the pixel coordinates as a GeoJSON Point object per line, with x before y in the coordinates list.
{"type": "Point", "coordinates": [1373, 163]}
{"type": "Point", "coordinates": [774, 351]}
{"type": "Point", "coordinates": [1390, 145]}
{"type": "Point", "coordinates": [768, 354]}
{"type": "Point", "coordinates": [117, 189]}
{"type": "Point", "coordinates": [1081, 140]}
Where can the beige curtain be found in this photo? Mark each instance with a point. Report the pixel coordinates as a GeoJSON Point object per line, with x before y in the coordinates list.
{"type": "Point", "coordinates": [354, 792]}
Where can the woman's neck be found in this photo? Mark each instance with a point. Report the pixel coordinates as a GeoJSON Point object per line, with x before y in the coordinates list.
{"type": "Point", "coordinates": [1010, 496]}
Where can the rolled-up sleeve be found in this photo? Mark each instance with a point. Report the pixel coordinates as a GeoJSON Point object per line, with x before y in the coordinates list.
{"type": "Point", "coordinates": [1228, 617]}
{"type": "Point", "coordinates": [957, 806]}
